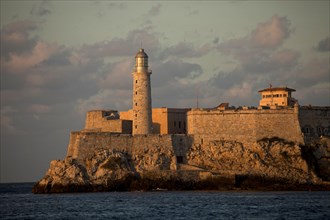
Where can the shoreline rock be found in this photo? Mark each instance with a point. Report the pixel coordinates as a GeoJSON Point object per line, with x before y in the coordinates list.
{"type": "Point", "coordinates": [268, 165]}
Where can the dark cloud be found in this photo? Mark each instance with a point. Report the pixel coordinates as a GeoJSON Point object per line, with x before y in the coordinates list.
{"type": "Point", "coordinates": [174, 70]}
{"type": "Point", "coordinates": [14, 37]}
{"type": "Point", "coordinates": [324, 45]}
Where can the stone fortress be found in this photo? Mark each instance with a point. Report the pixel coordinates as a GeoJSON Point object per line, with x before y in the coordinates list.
{"type": "Point", "coordinates": [277, 109]}
{"type": "Point", "coordinates": [278, 139]}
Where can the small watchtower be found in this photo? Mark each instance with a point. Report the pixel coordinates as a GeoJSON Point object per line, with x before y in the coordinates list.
{"type": "Point", "coordinates": [277, 96]}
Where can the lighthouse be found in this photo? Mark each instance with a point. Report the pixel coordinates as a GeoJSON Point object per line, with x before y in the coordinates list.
{"type": "Point", "coordinates": [142, 118]}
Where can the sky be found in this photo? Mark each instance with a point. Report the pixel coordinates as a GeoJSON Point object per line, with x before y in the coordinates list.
{"type": "Point", "coordinates": [60, 59]}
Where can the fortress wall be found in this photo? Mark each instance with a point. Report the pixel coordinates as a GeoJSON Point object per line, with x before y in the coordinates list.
{"type": "Point", "coordinates": [282, 123]}
{"type": "Point", "coordinates": [87, 143]}
{"type": "Point", "coordinates": [84, 144]}
{"type": "Point", "coordinates": [314, 121]}
{"type": "Point", "coordinates": [72, 141]}
{"type": "Point", "coordinates": [208, 125]}
{"type": "Point", "coordinates": [246, 126]}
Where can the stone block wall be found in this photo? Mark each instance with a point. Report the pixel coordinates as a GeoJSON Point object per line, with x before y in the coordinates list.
{"type": "Point", "coordinates": [314, 122]}
{"type": "Point", "coordinates": [243, 125]}
{"type": "Point", "coordinates": [84, 144]}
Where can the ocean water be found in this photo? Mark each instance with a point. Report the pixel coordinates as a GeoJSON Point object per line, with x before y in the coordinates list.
{"type": "Point", "coordinates": [17, 202]}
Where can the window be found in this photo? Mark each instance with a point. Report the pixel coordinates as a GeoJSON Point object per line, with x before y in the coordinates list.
{"type": "Point", "coordinates": [135, 93]}
{"type": "Point", "coordinates": [174, 124]}
{"type": "Point", "coordinates": [202, 141]}
{"type": "Point", "coordinates": [135, 103]}
{"type": "Point", "coordinates": [284, 95]}
{"type": "Point", "coordinates": [135, 115]}
{"type": "Point", "coordinates": [135, 81]}
{"type": "Point", "coordinates": [179, 124]}
{"type": "Point", "coordinates": [320, 130]}
{"type": "Point", "coordinates": [307, 130]}
{"type": "Point", "coordinates": [179, 159]}
{"type": "Point", "coordinates": [135, 126]}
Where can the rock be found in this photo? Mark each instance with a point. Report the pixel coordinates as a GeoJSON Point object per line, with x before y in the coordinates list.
{"type": "Point", "coordinates": [268, 157]}
{"type": "Point", "coordinates": [269, 164]}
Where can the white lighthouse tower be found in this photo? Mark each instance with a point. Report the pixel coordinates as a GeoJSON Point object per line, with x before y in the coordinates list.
{"type": "Point", "coordinates": [142, 118]}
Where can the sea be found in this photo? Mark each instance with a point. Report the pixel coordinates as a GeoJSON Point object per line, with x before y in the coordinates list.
{"type": "Point", "coordinates": [17, 202]}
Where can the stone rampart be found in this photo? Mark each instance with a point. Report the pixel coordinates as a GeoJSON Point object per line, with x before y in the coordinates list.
{"type": "Point", "coordinates": [315, 122]}
{"type": "Point", "coordinates": [244, 125]}
{"type": "Point", "coordinates": [83, 144]}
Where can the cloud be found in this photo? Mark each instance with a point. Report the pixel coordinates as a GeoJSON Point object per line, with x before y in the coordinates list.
{"type": "Point", "coordinates": [258, 60]}
{"type": "Point", "coordinates": [123, 46]}
{"type": "Point", "coordinates": [267, 35]}
{"type": "Point", "coordinates": [39, 108]}
{"type": "Point", "coordinates": [118, 75]}
{"type": "Point", "coordinates": [310, 73]}
{"type": "Point", "coordinates": [115, 99]}
{"type": "Point", "coordinates": [6, 120]}
{"type": "Point", "coordinates": [174, 70]}
{"type": "Point", "coordinates": [272, 33]}
{"type": "Point", "coordinates": [323, 45]}
{"type": "Point", "coordinates": [41, 8]}
{"type": "Point", "coordinates": [18, 63]}
{"type": "Point", "coordinates": [116, 5]}
{"type": "Point", "coordinates": [259, 53]}
{"type": "Point", "coordinates": [154, 10]}
{"type": "Point", "coordinates": [14, 37]}
{"type": "Point", "coordinates": [184, 49]}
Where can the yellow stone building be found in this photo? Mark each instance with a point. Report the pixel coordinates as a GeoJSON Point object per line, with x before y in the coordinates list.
{"type": "Point", "coordinates": [277, 96]}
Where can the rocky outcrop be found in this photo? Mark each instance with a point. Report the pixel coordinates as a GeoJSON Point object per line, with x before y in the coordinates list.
{"type": "Point", "coordinates": [268, 164]}
{"type": "Point", "coordinates": [105, 170]}
{"type": "Point", "coordinates": [272, 157]}
{"type": "Point", "coordinates": [318, 155]}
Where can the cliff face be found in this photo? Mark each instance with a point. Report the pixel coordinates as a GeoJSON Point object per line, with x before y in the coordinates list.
{"type": "Point", "coordinates": [268, 157]}
{"type": "Point", "coordinates": [95, 163]}
{"type": "Point", "coordinates": [318, 154]}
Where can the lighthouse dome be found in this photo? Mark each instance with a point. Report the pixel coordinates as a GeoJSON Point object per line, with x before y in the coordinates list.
{"type": "Point", "coordinates": [141, 54]}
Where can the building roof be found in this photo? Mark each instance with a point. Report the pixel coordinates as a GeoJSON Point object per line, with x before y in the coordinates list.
{"type": "Point", "coordinates": [272, 89]}
{"type": "Point", "coordinates": [141, 54]}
